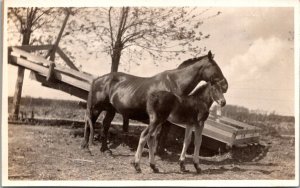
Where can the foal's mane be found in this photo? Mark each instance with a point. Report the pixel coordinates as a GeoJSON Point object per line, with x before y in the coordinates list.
{"type": "Point", "coordinates": [201, 89]}
{"type": "Point", "coordinates": [190, 62]}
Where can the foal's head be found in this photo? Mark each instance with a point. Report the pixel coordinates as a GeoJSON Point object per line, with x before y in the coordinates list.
{"type": "Point", "coordinates": [216, 93]}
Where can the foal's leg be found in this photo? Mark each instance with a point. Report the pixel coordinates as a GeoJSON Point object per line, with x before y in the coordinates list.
{"type": "Point", "coordinates": [109, 116]}
{"type": "Point", "coordinates": [197, 143]}
{"type": "Point", "coordinates": [137, 158]}
{"type": "Point", "coordinates": [152, 144]}
{"type": "Point", "coordinates": [145, 136]}
{"type": "Point", "coordinates": [162, 136]}
{"type": "Point", "coordinates": [187, 141]}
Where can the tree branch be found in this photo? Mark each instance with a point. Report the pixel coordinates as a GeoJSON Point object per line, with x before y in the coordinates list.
{"type": "Point", "coordinates": [110, 27]}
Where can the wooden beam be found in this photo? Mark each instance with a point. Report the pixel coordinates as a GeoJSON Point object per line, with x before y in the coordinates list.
{"type": "Point", "coordinates": [38, 59]}
{"type": "Point", "coordinates": [66, 59]}
{"type": "Point", "coordinates": [221, 126]}
{"type": "Point", "coordinates": [82, 94]}
{"type": "Point", "coordinates": [238, 123]}
{"type": "Point", "coordinates": [217, 136]}
{"type": "Point", "coordinates": [52, 51]}
{"type": "Point", "coordinates": [44, 70]}
{"type": "Point", "coordinates": [30, 48]}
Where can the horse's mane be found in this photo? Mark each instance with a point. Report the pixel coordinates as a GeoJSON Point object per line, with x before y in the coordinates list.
{"type": "Point", "coordinates": [190, 62]}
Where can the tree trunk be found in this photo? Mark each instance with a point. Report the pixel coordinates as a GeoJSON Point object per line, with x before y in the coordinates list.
{"type": "Point", "coordinates": [116, 56]}
{"type": "Point", "coordinates": [19, 82]}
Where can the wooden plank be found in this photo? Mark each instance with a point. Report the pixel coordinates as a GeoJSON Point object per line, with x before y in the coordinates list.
{"type": "Point", "coordinates": [66, 59]}
{"type": "Point", "coordinates": [60, 86]}
{"type": "Point", "coordinates": [221, 126]}
{"type": "Point", "coordinates": [229, 120]}
{"type": "Point", "coordinates": [247, 131]}
{"type": "Point", "coordinates": [38, 59]}
{"type": "Point", "coordinates": [30, 48]}
{"type": "Point", "coordinates": [217, 130]}
{"type": "Point", "coordinates": [217, 136]}
{"type": "Point", "coordinates": [43, 71]}
{"type": "Point", "coordinates": [246, 140]}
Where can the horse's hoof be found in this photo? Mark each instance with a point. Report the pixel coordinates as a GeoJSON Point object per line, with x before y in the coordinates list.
{"type": "Point", "coordinates": [154, 168]}
{"type": "Point", "coordinates": [198, 169]}
{"type": "Point", "coordinates": [182, 167]}
{"type": "Point", "coordinates": [137, 167]}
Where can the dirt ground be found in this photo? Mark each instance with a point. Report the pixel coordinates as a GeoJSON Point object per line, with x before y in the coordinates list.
{"type": "Point", "coordinates": [53, 153]}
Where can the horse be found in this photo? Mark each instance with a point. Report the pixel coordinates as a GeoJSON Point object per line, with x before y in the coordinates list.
{"type": "Point", "coordinates": [128, 94]}
{"type": "Point", "coordinates": [190, 111]}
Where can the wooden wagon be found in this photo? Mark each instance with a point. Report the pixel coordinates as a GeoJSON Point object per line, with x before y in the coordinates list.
{"type": "Point", "coordinates": [71, 80]}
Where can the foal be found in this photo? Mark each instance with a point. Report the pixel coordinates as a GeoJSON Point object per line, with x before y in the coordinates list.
{"type": "Point", "coordinates": [190, 111]}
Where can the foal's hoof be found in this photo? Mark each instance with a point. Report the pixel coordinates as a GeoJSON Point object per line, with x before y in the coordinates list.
{"type": "Point", "coordinates": [137, 167]}
{"type": "Point", "coordinates": [84, 145]}
{"type": "Point", "coordinates": [154, 168]}
{"type": "Point", "coordinates": [198, 169]}
{"type": "Point", "coordinates": [182, 167]}
{"type": "Point", "coordinates": [104, 148]}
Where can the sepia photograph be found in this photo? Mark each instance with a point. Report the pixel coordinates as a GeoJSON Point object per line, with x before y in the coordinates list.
{"type": "Point", "coordinates": [155, 93]}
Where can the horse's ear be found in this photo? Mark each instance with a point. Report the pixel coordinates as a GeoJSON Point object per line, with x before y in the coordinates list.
{"type": "Point", "coordinates": [210, 55]}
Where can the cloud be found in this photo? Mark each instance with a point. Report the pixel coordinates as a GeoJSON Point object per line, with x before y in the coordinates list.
{"type": "Point", "coordinates": [260, 57]}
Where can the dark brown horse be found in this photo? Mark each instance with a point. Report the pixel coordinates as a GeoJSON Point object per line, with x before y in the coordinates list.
{"type": "Point", "coordinates": [128, 94]}
{"type": "Point", "coordinates": [189, 111]}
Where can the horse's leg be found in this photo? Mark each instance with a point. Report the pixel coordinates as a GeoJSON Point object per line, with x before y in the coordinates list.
{"type": "Point", "coordinates": [125, 124]}
{"type": "Point", "coordinates": [92, 122]}
{"type": "Point", "coordinates": [85, 141]}
{"type": "Point", "coordinates": [109, 116]}
{"type": "Point", "coordinates": [197, 143]}
{"type": "Point", "coordinates": [187, 140]}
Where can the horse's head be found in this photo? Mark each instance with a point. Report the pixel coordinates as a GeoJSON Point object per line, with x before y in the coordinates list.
{"type": "Point", "coordinates": [216, 93]}
{"type": "Point", "coordinates": [208, 70]}
{"type": "Point", "coordinates": [213, 74]}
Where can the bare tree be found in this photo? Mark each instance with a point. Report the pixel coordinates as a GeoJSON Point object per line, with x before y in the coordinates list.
{"type": "Point", "coordinates": [137, 32]}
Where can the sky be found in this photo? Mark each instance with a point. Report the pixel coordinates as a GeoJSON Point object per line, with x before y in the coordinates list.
{"type": "Point", "coordinates": [254, 47]}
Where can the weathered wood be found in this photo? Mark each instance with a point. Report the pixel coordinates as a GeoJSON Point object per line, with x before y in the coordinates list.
{"type": "Point", "coordinates": [52, 51]}
{"type": "Point", "coordinates": [217, 136]}
{"type": "Point", "coordinates": [221, 126]}
{"type": "Point", "coordinates": [67, 88]}
{"type": "Point", "coordinates": [51, 73]}
{"type": "Point", "coordinates": [66, 59]}
{"type": "Point", "coordinates": [246, 140]}
{"type": "Point", "coordinates": [238, 123]}
{"type": "Point", "coordinates": [43, 71]}
{"type": "Point", "coordinates": [30, 48]}
{"type": "Point", "coordinates": [18, 93]}
{"type": "Point", "coordinates": [38, 59]}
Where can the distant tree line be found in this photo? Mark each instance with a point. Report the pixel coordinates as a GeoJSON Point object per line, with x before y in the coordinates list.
{"type": "Point", "coordinates": [243, 114]}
